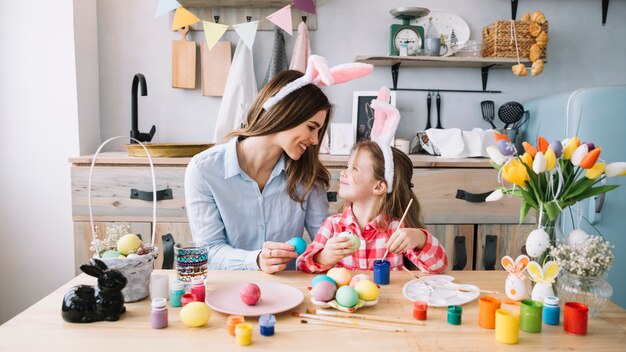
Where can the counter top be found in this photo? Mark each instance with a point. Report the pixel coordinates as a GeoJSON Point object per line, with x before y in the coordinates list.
{"type": "Point", "coordinates": [41, 328]}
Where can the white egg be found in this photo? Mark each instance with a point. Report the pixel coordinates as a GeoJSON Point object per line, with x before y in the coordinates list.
{"type": "Point", "coordinates": [541, 291]}
{"type": "Point", "coordinates": [515, 288]}
{"type": "Point", "coordinates": [576, 238]}
{"type": "Point", "coordinates": [537, 242]}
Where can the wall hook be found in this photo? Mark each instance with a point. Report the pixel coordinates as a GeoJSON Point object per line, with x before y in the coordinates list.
{"type": "Point", "coordinates": [248, 18]}
{"type": "Point", "coordinates": [217, 19]}
{"type": "Point", "coordinates": [304, 19]}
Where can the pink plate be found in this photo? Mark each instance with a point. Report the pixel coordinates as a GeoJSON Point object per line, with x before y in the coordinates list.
{"type": "Point", "coordinates": [275, 298]}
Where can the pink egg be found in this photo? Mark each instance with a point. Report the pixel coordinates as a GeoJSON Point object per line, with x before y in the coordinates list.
{"type": "Point", "coordinates": [355, 280]}
{"type": "Point", "coordinates": [250, 294]}
{"type": "Point", "coordinates": [324, 291]}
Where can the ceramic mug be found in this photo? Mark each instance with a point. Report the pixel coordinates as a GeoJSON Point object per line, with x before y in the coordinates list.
{"type": "Point", "coordinates": [433, 46]}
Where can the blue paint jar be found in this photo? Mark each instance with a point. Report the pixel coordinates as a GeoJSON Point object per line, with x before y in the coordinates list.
{"type": "Point", "coordinates": [266, 324]}
{"type": "Point", "coordinates": [381, 272]}
{"type": "Point", "coordinates": [177, 290]}
{"type": "Point", "coordinates": [551, 310]}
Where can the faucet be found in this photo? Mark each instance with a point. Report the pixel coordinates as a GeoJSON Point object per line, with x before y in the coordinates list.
{"type": "Point", "coordinates": [134, 132]}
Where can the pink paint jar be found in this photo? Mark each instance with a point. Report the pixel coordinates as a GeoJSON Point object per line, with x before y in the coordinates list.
{"type": "Point", "coordinates": [188, 298]}
{"type": "Point", "coordinates": [198, 288]}
{"type": "Point", "coordinates": [158, 313]}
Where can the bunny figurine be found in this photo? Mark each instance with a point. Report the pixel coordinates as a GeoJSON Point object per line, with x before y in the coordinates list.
{"type": "Point", "coordinates": [515, 286]}
{"type": "Point", "coordinates": [86, 304]}
{"type": "Point", "coordinates": [544, 279]}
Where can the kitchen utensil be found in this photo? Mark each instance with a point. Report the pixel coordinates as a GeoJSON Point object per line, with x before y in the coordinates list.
{"type": "Point", "coordinates": [438, 102]}
{"type": "Point", "coordinates": [522, 121]}
{"type": "Point", "coordinates": [489, 111]}
{"type": "Point", "coordinates": [453, 28]}
{"type": "Point", "coordinates": [510, 112]}
{"type": "Point", "coordinates": [428, 101]}
{"type": "Point", "coordinates": [275, 298]}
{"type": "Point", "coordinates": [434, 45]}
{"type": "Point", "coordinates": [214, 68]}
{"type": "Point", "coordinates": [184, 61]}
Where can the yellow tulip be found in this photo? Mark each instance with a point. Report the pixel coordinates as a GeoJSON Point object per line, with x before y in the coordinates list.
{"type": "Point", "coordinates": [570, 147]}
{"type": "Point", "coordinates": [515, 172]}
{"type": "Point", "coordinates": [550, 159]}
{"type": "Point", "coordinates": [527, 159]}
{"type": "Point", "coordinates": [595, 171]}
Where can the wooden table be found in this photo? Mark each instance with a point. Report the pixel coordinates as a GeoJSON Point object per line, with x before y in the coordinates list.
{"type": "Point", "coordinates": [41, 327]}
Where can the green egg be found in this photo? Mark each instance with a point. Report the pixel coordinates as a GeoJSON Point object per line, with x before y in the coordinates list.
{"type": "Point", "coordinates": [347, 296]}
{"type": "Point", "coordinates": [111, 254]}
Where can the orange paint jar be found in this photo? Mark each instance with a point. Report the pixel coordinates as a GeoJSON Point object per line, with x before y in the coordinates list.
{"type": "Point", "coordinates": [232, 321]}
{"type": "Point", "coordinates": [487, 307]}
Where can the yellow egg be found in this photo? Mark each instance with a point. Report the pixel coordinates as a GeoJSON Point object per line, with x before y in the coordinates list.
{"type": "Point", "coordinates": [128, 243]}
{"type": "Point", "coordinates": [195, 314]}
{"type": "Point", "coordinates": [367, 290]}
{"type": "Point", "coordinates": [341, 276]}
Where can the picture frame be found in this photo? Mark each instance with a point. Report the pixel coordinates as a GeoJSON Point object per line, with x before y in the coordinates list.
{"type": "Point", "coordinates": [363, 114]}
{"type": "Point", "coordinates": [341, 138]}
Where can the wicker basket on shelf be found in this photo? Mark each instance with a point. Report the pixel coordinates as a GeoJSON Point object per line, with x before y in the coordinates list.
{"type": "Point", "coordinates": [497, 40]}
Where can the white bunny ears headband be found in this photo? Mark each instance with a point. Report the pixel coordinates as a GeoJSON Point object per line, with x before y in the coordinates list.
{"type": "Point", "coordinates": [386, 119]}
{"type": "Point", "coordinates": [321, 75]}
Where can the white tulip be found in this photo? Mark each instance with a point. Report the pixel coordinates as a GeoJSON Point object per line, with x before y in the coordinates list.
{"type": "Point", "coordinates": [539, 164]}
{"type": "Point", "coordinates": [579, 154]}
{"type": "Point", "coordinates": [495, 155]}
{"type": "Point", "coordinates": [494, 196]}
{"type": "Point", "coordinates": [615, 169]}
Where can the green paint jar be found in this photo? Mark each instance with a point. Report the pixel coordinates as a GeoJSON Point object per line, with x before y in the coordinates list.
{"type": "Point", "coordinates": [454, 315]}
{"type": "Point", "coordinates": [530, 315]}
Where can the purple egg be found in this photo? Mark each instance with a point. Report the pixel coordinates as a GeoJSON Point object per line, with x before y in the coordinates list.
{"type": "Point", "coordinates": [324, 291]}
{"type": "Point", "coordinates": [590, 146]}
{"type": "Point", "coordinates": [557, 147]}
{"type": "Point", "coordinates": [506, 148]}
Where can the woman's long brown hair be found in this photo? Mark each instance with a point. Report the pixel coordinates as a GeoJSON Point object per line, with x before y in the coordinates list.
{"type": "Point", "coordinates": [293, 110]}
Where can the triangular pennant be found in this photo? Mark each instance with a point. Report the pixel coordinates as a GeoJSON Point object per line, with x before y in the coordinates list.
{"type": "Point", "coordinates": [213, 32]}
{"type": "Point", "coordinates": [183, 18]}
{"type": "Point", "coordinates": [165, 6]}
{"type": "Point", "coordinates": [247, 32]}
{"type": "Point", "coordinates": [282, 18]}
{"type": "Point", "coordinates": [305, 5]}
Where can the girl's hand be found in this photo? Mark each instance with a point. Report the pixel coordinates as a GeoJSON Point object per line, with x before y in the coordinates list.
{"type": "Point", "coordinates": [274, 256]}
{"type": "Point", "coordinates": [405, 239]}
{"type": "Point", "coordinates": [336, 248]}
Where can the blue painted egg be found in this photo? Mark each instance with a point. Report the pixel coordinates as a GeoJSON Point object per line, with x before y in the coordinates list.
{"type": "Point", "coordinates": [505, 147]}
{"type": "Point", "coordinates": [319, 278]}
{"type": "Point", "coordinates": [298, 243]}
{"type": "Point", "coordinates": [557, 147]}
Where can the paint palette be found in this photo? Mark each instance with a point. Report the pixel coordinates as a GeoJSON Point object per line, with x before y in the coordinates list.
{"type": "Point", "coordinates": [440, 296]}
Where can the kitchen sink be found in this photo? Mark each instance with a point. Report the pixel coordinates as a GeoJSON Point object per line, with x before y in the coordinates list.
{"type": "Point", "coordinates": [167, 150]}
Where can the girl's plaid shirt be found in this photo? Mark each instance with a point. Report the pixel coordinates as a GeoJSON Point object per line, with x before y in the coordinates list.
{"type": "Point", "coordinates": [431, 258]}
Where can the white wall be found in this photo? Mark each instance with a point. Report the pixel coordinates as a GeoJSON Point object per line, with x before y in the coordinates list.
{"type": "Point", "coordinates": [38, 133]}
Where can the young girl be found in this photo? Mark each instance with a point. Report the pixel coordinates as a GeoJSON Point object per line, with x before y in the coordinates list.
{"type": "Point", "coordinates": [377, 187]}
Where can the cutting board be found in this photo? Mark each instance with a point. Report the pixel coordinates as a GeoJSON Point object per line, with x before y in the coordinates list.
{"type": "Point", "coordinates": [184, 61]}
{"type": "Point", "coordinates": [215, 65]}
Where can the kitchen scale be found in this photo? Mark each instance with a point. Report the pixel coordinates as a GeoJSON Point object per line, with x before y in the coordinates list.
{"type": "Point", "coordinates": [411, 36]}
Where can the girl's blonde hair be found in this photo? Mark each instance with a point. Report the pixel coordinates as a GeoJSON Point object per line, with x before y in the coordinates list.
{"type": "Point", "coordinates": [293, 110]}
{"type": "Point", "coordinates": [393, 204]}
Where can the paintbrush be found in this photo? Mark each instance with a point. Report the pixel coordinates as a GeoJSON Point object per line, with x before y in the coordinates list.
{"type": "Point", "coordinates": [406, 211]}
{"type": "Point", "coordinates": [363, 316]}
{"type": "Point", "coordinates": [351, 322]}
{"type": "Point", "coordinates": [351, 326]}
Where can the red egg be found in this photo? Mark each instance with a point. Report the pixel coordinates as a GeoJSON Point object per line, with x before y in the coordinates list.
{"type": "Point", "coordinates": [250, 294]}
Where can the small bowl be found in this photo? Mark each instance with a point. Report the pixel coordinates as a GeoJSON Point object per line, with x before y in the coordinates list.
{"type": "Point", "coordinates": [470, 48]}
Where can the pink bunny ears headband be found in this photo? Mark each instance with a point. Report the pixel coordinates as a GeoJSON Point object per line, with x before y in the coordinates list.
{"type": "Point", "coordinates": [386, 119]}
{"type": "Point", "coordinates": [321, 75]}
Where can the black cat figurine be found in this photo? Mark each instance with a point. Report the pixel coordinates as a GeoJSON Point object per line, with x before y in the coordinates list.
{"type": "Point", "coordinates": [86, 304]}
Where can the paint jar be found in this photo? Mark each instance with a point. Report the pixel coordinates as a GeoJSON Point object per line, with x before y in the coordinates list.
{"type": "Point", "coordinates": [530, 315]}
{"type": "Point", "coordinates": [243, 334]}
{"type": "Point", "coordinates": [198, 288]}
{"type": "Point", "coordinates": [177, 290]}
{"type": "Point", "coordinates": [158, 313]}
{"type": "Point", "coordinates": [158, 286]}
{"type": "Point", "coordinates": [232, 321]}
{"type": "Point", "coordinates": [420, 310]}
{"type": "Point", "coordinates": [187, 298]}
{"type": "Point", "coordinates": [454, 315]}
{"type": "Point", "coordinates": [381, 272]}
{"type": "Point", "coordinates": [575, 318]}
{"type": "Point", "coordinates": [507, 326]}
{"type": "Point", "coordinates": [487, 307]}
{"type": "Point", "coordinates": [266, 324]}
{"type": "Point", "coordinates": [551, 310]}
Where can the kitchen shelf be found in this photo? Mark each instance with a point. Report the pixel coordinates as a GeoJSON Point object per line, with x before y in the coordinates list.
{"type": "Point", "coordinates": [485, 64]}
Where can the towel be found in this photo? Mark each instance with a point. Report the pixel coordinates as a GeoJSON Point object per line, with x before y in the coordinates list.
{"type": "Point", "coordinates": [240, 91]}
{"type": "Point", "coordinates": [301, 49]}
{"type": "Point", "coordinates": [455, 143]}
{"type": "Point", "coordinates": [278, 62]}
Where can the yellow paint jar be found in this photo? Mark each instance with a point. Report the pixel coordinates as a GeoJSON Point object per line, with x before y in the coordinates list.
{"type": "Point", "coordinates": [243, 334]}
{"type": "Point", "coordinates": [507, 326]}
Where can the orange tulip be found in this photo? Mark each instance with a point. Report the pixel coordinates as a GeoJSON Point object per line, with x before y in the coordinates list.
{"type": "Point", "coordinates": [542, 144]}
{"type": "Point", "coordinates": [500, 136]}
{"type": "Point", "coordinates": [590, 159]}
{"type": "Point", "coordinates": [528, 148]}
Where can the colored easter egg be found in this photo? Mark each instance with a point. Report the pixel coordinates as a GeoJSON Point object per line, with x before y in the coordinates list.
{"type": "Point", "coordinates": [367, 290]}
{"type": "Point", "coordinates": [195, 314]}
{"type": "Point", "coordinates": [505, 147]}
{"type": "Point", "coordinates": [356, 278]}
{"type": "Point", "coordinates": [111, 253]}
{"type": "Point", "coordinates": [537, 242]}
{"type": "Point", "coordinates": [319, 278]}
{"type": "Point", "coordinates": [557, 147]}
{"type": "Point", "coordinates": [324, 291]}
{"type": "Point", "coordinates": [356, 241]}
{"type": "Point", "coordinates": [128, 243]}
{"type": "Point", "coordinates": [250, 294]}
{"type": "Point", "coordinates": [341, 276]}
{"type": "Point", "coordinates": [347, 297]}
{"type": "Point", "coordinates": [576, 238]}
{"type": "Point", "coordinates": [298, 243]}
{"type": "Point", "coordinates": [515, 288]}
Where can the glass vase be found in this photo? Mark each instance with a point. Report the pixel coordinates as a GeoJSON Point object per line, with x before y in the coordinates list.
{"type": "Point", "coordinates": [551, 228]}
{"type": "Point", "coordinates": [594, 291]}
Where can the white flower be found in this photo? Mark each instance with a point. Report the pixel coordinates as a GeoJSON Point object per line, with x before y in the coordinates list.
{"type": "Point", "coordinates": [494, 196]}
{"type": "Point", "coordinates": [495, 155]}
{"type": "Point", "coordinates": [579, 154]}
{"type": "Point", "coordinates": [539, 164]}
{"type": "Point", "coordinates": [615, 169]}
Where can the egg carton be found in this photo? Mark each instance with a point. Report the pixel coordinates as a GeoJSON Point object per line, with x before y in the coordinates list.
{"type": "Point", "coordinates": [360, 304]}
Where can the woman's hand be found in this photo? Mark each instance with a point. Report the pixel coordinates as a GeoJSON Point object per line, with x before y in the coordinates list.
{"type": "Point", "coordinates": [335, 249]}
{"type": "Point", "coordinates": [274, 256]}
{"type": "Point", "coordinates": [405, 239]}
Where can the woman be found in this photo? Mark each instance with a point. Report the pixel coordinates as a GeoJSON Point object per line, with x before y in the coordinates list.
{"type": "Point", "coordinates": [246, 197]}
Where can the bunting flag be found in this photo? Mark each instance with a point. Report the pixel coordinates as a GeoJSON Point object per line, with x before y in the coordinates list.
{"type": "Point", "coordinates": [213, 32]}
{"type": "Point", "coordinates": [165, 6]}
{"type": "Point", "coordinates": [183, 18]}
{"type": "Point", "coordinates": [305, 5]}
{"type": "Point", "coordinates": [282, 18]}
{"type": "Point", "coordinates": [247, 32]}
